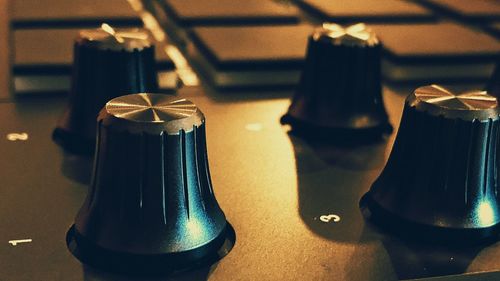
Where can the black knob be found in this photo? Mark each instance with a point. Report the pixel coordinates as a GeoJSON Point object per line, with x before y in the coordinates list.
{"type": "Point", "coordinates": [493, 86]}
{"type": "Point", "coordinates": [441, 181]}
{"type": "Point", "coordinates": [107, 63]}
{"type": "Point", "coordinates": [339, 96]}
{"type": "Point", "coordinates": [151, 205]}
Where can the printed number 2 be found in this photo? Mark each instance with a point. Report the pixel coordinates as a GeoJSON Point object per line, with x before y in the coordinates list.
{"type": "Point", "coordinates": [17, 137]}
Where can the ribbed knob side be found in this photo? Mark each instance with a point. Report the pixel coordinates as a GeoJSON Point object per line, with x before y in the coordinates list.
{"type": "Point", "coordinates": [151, 193]}
{"type": "Point", "coordinates": [443, 169]}
{"type": "Point", "coordinates": [107, 63]}
{"type": "Point", "coordinates": [340, 87]}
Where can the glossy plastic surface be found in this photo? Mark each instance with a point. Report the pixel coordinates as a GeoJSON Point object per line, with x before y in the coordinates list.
{"type": "Point", "coordinates": [339, 94]}
{"type": "Point", "coordinates": [441, 180]}
{"type": "Point", "coordinates": [101, 72]}
{"type": "Point", "coordinates": [151, 203]}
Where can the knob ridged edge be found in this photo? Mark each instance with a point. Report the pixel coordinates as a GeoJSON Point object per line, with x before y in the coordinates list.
{"type": "Point", "coordinates": [441, 180]}
{"type": "Point", "coordinates": [158, 218]}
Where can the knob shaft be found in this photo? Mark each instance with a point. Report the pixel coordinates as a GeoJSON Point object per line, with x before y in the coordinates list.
{"type": "Point", "coordinates": [339, 96]}
{"type": "Point", "coordinates": [107, 63]}
{"type": "Point", "coordinates": [151, 203]}
{"type": "Point", "coordinates": [441, 180]}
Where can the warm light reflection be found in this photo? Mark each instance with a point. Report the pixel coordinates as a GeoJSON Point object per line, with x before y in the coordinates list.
{"type": "Point", "coordinates": [486, 216]}
{"type": "Point", "coordinates": [152, 25]}
{"type": "Point", "coordinates": [254, 127]}
{"type": "Point", "coordinates": [107, 28]}
{"type": "Point", "coordinates": [194, 229]}
{"type": "Point", "coordinates": [185, 72]}
{"type": "Point", "coordinates": [136, 5]}
{"type": "Point", "coordinates": [358, 31]}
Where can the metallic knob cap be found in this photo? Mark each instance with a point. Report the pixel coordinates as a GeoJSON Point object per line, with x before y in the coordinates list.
{"type": "Point", "coordinates": [151, 205]}
{"type": "Point", "coordinates": [441, 181]}
{"type": "Point", "coordinates": [339, 95]}
{"type": "Point", "coordinates": [107, 63]}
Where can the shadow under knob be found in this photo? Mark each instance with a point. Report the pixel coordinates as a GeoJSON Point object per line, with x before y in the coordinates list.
{"type": "Point", "coordinates": [441, 181]}
{"type": "Point", "coordinates": [107, 63]}
{"type": "Point", "coordinates": [151, 205]}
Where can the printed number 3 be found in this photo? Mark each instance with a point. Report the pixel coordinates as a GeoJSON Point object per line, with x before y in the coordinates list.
{"type": "Point", "coordinates": [328, 218]}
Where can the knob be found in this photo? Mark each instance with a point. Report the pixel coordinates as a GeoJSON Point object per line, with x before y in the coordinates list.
{"type": "Point", "coordinates": [441, 180]}
{"type": "Point", "coordinates": [339, 96]}
{"type": "Point", "coordinates": [107, 63]}
{"type": "Point", "coordinates": [151, 205]}
{"type": "Point", "coordinates": [493, 86]}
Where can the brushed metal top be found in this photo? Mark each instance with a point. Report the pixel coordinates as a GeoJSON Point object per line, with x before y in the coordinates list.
{"type": "Point", "coordinates": [470, 105]}
{"type": "Point", "coordinates": [109, 38]}
{"type": "Point", "coordinates": [358, 35]}
{"type": "Point", "coordinates": [152, 113]}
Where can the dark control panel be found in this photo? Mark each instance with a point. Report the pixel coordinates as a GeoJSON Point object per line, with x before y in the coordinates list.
{"type": "Point", "coordinates": [332, 158]}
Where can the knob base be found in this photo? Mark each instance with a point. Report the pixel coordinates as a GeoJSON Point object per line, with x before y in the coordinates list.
{"type": "Point", "coordinates": [72, 142]}
{"type": "Point", "coordinates": [406, 229]}
{"type": "Point", "coordinates": [94, 255]}
{"type": "Point", "coordinates": [337, 135]}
